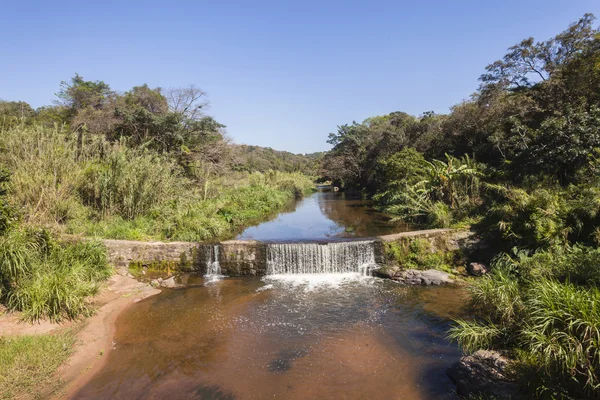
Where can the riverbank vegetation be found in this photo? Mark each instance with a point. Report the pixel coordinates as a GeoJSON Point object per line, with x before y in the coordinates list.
{"type": "Point", "coordinates": [143, 164]}
{"type": "Point", "coordinates": [519, 162]}
{"type": "Point", "coordinates": [28, 363]}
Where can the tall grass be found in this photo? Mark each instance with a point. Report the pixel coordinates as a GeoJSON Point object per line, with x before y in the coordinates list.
{"type": "Point", "coordinates": [54, 282]}
{"type": "Point", "coordinates": [129, 183]}
{"type": "Point", "coordinates": [563, 330]}
{"type": "Point", "coordinates": [529, 304]}
{"type": "Point", "coordinates": [81, 183]}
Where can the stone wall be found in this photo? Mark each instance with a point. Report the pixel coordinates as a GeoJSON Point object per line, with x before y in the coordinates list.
{"type": "Point", "coordinates": [440, 239]}
{"type": "Point", "coordinates": [238, 258]}
{"type": "Point", "coordinates": [121, 253]}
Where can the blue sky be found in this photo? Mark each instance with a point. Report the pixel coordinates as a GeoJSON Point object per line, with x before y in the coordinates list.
{"type": "Point", "coordinates": [278, 73]}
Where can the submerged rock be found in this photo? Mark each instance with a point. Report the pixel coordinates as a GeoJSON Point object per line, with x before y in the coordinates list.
{"type": "Point", "coordinates": [477, 269]}
{"type": "Point", "coordinates": [484, 372]}
{"type": "Point", "coordinates": [386, 272]}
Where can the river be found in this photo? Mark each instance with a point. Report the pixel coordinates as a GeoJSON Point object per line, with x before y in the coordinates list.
{"type": "Point", "coordinates": [334, 333]}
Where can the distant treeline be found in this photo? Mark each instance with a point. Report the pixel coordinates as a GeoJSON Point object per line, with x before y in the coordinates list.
{"type": "Point", "coordinates": [256, 158]}
{"type": "Point", "coordinates": [165, 120]}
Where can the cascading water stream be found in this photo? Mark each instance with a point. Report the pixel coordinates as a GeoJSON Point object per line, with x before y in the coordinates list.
{"type": "Point", "coordinates": [317, 258]}
{"type": "Point", "coordinates": [213, 268]}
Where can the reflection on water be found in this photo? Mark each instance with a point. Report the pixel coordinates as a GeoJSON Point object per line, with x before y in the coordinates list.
{"type": "Point", "coordinates": [246, 338]}
{"type": "Point", "coordinates": [325, 215]}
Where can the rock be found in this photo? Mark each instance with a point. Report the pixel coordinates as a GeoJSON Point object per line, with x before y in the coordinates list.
{"type": "Point", "coordinates": [477, 269]}
{"type": "Point", "coordinates": [154, 283]}
{"type": "Point", "coordinates": [484, 372]}
{"type": "Point", "coordinates": [427, 277]}
{"type": "Point", "coordinates": [386, 272]}
{"type": "Point", "coordinates": [169, 283]}
{"type": "Point", "coordinates": [183, 279]}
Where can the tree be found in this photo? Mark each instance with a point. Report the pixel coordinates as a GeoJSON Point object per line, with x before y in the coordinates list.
{"type": "Point", "coordinates": [79, 94]}
{"type": "Point", "coordinates": [189, 101]}
{"type": "Point", "coordinates": [529, 63]}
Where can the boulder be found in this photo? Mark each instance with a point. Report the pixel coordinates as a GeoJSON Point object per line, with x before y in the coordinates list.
{"type": "Point", "coordinates": [169, 283]}
{"type": "Point", "coordinates": [413, 276]}
{"type": "Point", "coordinates": [386, 272]}
{"type": "Point", "coordinates": [484, 372]}
{"type": "Point", "coordinates": [477, 269]}
{"type": "Point", "coordinates": [427, 277]}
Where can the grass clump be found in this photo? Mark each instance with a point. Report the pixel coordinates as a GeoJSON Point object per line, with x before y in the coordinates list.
{"type": "Point", "coordinates": [45, 279]}
{"type": "Point", "coordinates": [552, 325]}
{"type": "Point", "coordinates": [28, 363]}
{"type": "Point", "coordinates": [60, 282]}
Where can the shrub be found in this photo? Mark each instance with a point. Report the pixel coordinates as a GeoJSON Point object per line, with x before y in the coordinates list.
{"type": "Point", "coordinates": [55, 284]}
{"type": "Point", "coordinates": [129, 183]}
{"type": "Point", "coordinates": [529, 305]}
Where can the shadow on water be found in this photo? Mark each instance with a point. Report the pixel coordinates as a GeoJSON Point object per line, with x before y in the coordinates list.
{"type": "Point", "coordinates": [246, 338]}
{"type": "Point", "coordinates": [212, 393]}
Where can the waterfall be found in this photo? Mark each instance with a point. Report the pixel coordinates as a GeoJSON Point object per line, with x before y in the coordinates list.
{"type": "Point", "coordinates": [311, 258]}
{"type": "Point", "coordinates": [213, 268]}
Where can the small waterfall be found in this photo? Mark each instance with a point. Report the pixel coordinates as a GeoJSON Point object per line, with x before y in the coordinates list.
{"type": "Point", "coordinates": [311, 258]}
{"type": "Point", "coordinates": [213, 268]}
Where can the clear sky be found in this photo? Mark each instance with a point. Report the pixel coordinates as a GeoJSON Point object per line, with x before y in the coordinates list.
{"type": "Point", "coordinates": [278, 73]}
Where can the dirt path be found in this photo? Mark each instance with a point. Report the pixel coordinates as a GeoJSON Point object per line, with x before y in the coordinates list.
{"type": "Point", "coordinates": [94, 340]}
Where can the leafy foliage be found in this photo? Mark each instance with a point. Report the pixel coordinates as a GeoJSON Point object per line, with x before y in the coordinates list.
{"type": "Point", "coordinates": [520, 159]}
{"type": "Point", "coordinates": [529, 304]}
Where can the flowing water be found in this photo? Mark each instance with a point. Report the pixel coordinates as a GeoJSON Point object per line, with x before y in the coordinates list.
{"type": "Point", "coordinates": [325, 215]}
{"type": "Point", "coordinates": [317, 326]}
{"type": "Point", "coordinates": [213, 267]}
{"type": "Point", "coordinates": [286, 336]}
{"type": "Point", "coordinates": [311, 258]}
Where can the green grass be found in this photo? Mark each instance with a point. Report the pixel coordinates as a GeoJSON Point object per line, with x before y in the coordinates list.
{"type": "Point", "coordinates": [48, 279]}
{"type": "Point", "coordinates": [28, 363]}
{"type": "Point", "coordinates": [88, 185]}
{"type": "Point", "coordinates": [417, 253]}
{"type": "Point", "coordinates": [529, 305]}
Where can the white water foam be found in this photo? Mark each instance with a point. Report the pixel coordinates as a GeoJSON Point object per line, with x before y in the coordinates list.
{"type": "Point", "coordinates": [311, 282]}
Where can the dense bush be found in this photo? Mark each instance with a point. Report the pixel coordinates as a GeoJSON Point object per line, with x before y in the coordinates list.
{"type": "Point", "coordinates": [436, 192]}
{"type": "Point", "coordinates": [44, 279]}
{"type": "Point", "coordinates": [530, 304]}
{"type": "Point", "coordinates": [86, 184]}
{"type": "Point", "coordinates": [519, 161]}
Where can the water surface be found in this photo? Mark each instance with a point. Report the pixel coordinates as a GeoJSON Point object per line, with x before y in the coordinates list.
{"type": "Point", "coordinates": [319, 336]}
{"type": "Point", "coordinates": [325, 215]}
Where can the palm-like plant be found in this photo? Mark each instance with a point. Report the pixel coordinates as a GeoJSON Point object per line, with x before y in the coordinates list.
{"type": "Point", "coordinates": [445, 186]}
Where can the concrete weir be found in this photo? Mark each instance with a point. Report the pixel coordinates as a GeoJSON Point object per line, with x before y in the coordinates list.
{"type": "Point", "coordinates": [241, 257]}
